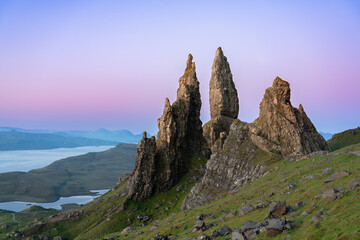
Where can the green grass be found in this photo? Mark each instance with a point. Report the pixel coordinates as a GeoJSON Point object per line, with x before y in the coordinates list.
{"type": "Point", "coordinates": [342, 217]}
{"type": "Point", "coordinates": [343, 139]}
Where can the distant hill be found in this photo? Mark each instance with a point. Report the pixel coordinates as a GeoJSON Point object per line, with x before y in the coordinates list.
{"type": "Point", "coordinates": [124, 136]}
{"type": "Point", "coordinates": [118, 136]}
{"type": "Point", "coordinates": [343, 139]}
{"type": "Point", "coordinates": [326, 136]}
{"type": "Point", "coordinates": [14, 140]}
{"type": "Point", "coordinates": [70, 176]}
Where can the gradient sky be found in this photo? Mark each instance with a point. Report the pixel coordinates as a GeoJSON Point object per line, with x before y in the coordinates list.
{"type": "Point", "coordinates": [85, 65]}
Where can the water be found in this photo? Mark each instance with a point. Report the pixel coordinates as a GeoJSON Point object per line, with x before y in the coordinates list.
{"type": "Point", "coordinates": [26, 160]}
{"type": "Point", "coordinates": [20, 206]}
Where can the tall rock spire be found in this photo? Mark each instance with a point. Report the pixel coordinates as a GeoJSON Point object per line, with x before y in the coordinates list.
{"type": "Point", "coordinates": [223, 94]}
{"type": "Point", "coordinates": [224, 102]}
{"type": "Point", "coordinates": [179, 138]}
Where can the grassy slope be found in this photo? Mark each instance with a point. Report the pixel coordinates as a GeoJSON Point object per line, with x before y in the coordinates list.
{"type": "Point", "coordinates": [343, 139]}
{"type": "Point", "coordinates": [70, 176]}
{"type": "Point", "coordinates": [342, 217]}
{"type": "Point", "coordinates": [13, 140]}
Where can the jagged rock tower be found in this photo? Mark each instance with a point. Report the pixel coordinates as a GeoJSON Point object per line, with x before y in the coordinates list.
{"type": "Point", "coordinates": [224, 102]}
{"type": "Point", "coordinates": [242, 152]}
{"type": "Point", "coordinates": [282, 128]}
{"type": "Point", "coordinates": [162, 162]}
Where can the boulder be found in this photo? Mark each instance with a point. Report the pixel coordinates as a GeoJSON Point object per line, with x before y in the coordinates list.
{"type": "Point", "coordinates": [237, 236]}
{"type": "Point", "coordinates": [224, 231]}
{"type": "Point", "coordinates": [275, 227]}
{"type": "Point", "coordinates": [246, 209]}
{"type": "Point", "coordinates": [336, 176]}
{"type": "Point", "coordinates": [277, 208]}
{"type": "Point", "coordinates": [250, 226]}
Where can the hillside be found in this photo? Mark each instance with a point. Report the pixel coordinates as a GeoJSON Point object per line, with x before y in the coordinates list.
{"type": "Point", "coordinates": [14, 140]}
{"type": "Point", "coordinates": [317, 217]}
{"type": "Point", "coordinates": [70, 176]}
{"type": "Point", "coordinates": [343, 139]}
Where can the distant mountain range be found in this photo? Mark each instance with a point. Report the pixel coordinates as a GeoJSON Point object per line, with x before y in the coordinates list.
{"type": "Point", "coordinates": [14, 140]}
{"type": "Point", "coordinates": [119, 136]}
{"type": "Point", "coordinates": [124, 136]}
{"type": "Point", "coordinates": [326, 136]}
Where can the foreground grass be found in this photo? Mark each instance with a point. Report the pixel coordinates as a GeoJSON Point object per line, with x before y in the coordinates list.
{"type": "Point", "coordinates": [103, 218]}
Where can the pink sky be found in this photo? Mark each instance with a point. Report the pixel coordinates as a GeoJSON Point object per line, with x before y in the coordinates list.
{"type": "Point", "coordinates": [88, 64]}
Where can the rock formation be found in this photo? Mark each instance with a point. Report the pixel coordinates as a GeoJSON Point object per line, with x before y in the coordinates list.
{"type": "Point", "coordinates": [160, 164]}
{"type": "Point", "coordinates": [223, 95]}
{"type": "Point", "coordinates": [141, 183]}
{"type": "Point", "coordinates": [239, 162]}
{"type": "Point", "coordinates": [282, 128]}
{"type": "Point", "coordinates": [280, 131]}
{"type": "Point", "coordinates": [224, 102]}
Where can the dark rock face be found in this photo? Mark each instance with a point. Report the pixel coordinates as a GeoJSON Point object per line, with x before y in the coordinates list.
{"type": "Point", "coordinates": [224, 102]}
{"type": "Point", "coordinates": [160, 164]}
{"type": "Point", "coordinates": [283, 128]}
{"type": "Point", "coordinates": [141, 183]}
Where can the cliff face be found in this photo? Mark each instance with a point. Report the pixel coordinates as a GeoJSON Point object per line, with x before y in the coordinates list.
{"type": "Point", "coordinates": [244, 152]}
{"type": "Point", "coordinates": [162, 162]}
{"type": "Point", "coordinates": [224, 102]}
{"type": "Point", "coordinates": [239, 162]}
{"type": "Point", "coordinates": [241, 152]}
{"type": "Point", "coordinates": [282, 128]}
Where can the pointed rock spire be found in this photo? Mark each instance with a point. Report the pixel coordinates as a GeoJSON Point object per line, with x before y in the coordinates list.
{"type": "Point", "coordinates": [223, 94]}
{"type": "Point", "coordinates": [162, 162]}
{"type": "Point", "coordinates": [282, 127]}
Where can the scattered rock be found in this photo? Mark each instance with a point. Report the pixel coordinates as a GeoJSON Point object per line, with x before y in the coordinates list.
{"type": "Point", "coordinates": [224, 231]}
{"type": "Point", "coordinates": [250, 226]}
{"type": "Point", "coordinates": [246, 209]}
{"type": "Point", "coordinates": [326, 171]}
{"type": "Point", "coordinates": [160, 237]}
{"type": "Point", "coordinates": [59, 238]}
{"type": "Point", "coordinates": [152, 228]}
{"type": "Point", "coordinates": [203, 237]}
{"type": "Point", "coordinates": [199, 224]}
{"type": "Point", "coordinates": [336, 176]}
{"type": "Point", "coordinates": [237, 236]}
{"type": "Point", "coordinates": [299, 204]}
{"type": "Point", "coordinates": [315, 219]}
{"type": "Point", "coordinates": [311, 176]}
{"type": "Point", "coordinates": [354, 184]}
{"type": "Point", "coordinates": [127, 229]}
{"type": "Point", "coordinates": [230, 215]}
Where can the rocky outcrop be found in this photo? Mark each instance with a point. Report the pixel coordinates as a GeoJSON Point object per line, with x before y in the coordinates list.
{"type": "Point", "coordinates": [142, 181]}
{"type": "Point", "coordinates": [244, 153]}
{"type": "Point", "coordinates": [224, 102]}
{"type": "Point", "coordinates": [238, 163]}
{"type": "Point", "coordinates": [282, 128]}
{"type": "Point", "coordinates": [223, 94]}
{"type": "Point", "coordinates": [160, 164]}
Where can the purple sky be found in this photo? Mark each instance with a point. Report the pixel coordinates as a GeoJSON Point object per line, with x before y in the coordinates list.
{"type": "Point", "coordinates": [110, 64]}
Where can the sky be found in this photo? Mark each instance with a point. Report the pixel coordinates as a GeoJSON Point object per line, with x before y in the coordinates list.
{"type": "Point", "coordinates": [85, 65]}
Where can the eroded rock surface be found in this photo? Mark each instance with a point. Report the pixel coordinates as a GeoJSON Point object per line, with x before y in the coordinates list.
{"type": "Point", "coordinates": [238, 163]}
{"type": "Point", "coordinates": [282, 128]}
{"type": "Point", "coordinates": [224, 102]}
{"type": "Point", "coordinates": [160, 164]}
